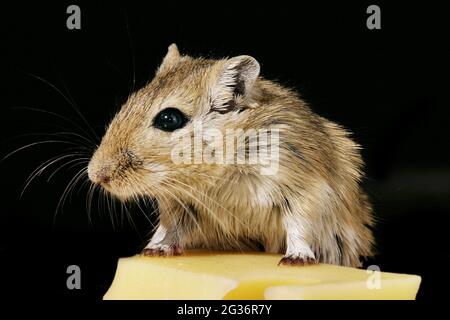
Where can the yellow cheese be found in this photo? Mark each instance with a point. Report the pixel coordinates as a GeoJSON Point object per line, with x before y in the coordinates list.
{"type": "Point", "coordinates": [219, 275]}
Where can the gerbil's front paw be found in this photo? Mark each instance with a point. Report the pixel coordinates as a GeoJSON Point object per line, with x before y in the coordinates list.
{"type": "Point", "coordinates": [297, 260]}
{"type": "Point", "coordinates": [162, 250]}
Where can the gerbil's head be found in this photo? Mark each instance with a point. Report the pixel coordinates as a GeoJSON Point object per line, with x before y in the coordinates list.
{"type": "Point", "coordinates": [136, 154]}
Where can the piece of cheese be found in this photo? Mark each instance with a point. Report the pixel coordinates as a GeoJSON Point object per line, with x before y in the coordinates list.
{"type": "Point", "coordinates": [219, 275]}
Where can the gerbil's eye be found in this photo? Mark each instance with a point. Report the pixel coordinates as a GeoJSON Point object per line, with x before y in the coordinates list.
{"type": "Point", "coordinates": [170, 119]}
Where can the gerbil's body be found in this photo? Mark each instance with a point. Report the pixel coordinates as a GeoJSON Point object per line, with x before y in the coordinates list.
{"type": "Point", "coordinates": [311, 209]}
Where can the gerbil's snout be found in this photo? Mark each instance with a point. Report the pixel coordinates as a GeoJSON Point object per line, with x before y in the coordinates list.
{"type": "Point", "coordinates": [101, 175]}
{"type": "Point", "coordinates": [112, 170]}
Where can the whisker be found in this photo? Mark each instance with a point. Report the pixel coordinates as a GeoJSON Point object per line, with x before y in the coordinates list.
{"type": "Point", "coordinates": [133, 60]}
{"type": "Point", "coordinates": [198, 200]}
{"type": "Point", "coordinates": [89, 196]}
{"type": "Point", "coordinates": [76, 125]}
{"type": "Point", "coordinates": [188, 211]}
{"type": "Point", "coordinates": [230, 235]}
{"type": "Point", "coordinates": [130, 218]}
{"type": "Point", "coordinates": [64, 194]}
{"type": "Point", "coordinates": [80, 160]}
{"type": "Point", "coordinates": [208, 197]}
{"type": "Point", "coordinates": [71, 103]}
{"type": "Point", "coordinates": [136, 185]}
{"type": "Point", "coordinates": [41, 168]}
{"type": "Point", "coordinates": [34, 144]}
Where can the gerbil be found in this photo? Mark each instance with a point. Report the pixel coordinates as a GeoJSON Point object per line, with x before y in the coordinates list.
{"type": "Point", "coordinates": [312, 209]}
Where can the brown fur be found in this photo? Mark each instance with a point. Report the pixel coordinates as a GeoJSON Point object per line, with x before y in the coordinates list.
{"type": "Point", "coordinates": [314, 201]}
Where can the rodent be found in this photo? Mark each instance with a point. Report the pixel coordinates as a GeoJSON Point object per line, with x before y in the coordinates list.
{"type": "Point", "coordinates": [312, 210]}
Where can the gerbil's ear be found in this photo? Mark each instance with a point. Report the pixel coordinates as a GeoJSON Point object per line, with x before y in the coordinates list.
{"type": "Point", "coordinates": [171, 58]}
{"type": "Point", "coordinates": [235, 81]}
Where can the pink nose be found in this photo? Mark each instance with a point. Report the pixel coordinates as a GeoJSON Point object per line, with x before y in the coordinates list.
{"type": "Point", "coordinates": [102, 176]}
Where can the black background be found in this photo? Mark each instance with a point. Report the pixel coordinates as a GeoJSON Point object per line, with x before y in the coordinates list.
{"type": "Point", "coordinates": [388, 86]}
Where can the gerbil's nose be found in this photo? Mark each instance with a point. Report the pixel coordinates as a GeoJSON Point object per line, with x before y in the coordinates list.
{"type": "Point", "coordinates": [101, 176]}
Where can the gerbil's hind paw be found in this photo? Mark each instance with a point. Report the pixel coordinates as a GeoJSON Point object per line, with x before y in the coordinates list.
{"type": "Point", "coordinates": [162, 250]}
{"type": "Point", "coordinates": [297, 260]}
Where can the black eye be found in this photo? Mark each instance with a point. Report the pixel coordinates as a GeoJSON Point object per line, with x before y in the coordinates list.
{"type": "Point", "coordinates": [170, 119]}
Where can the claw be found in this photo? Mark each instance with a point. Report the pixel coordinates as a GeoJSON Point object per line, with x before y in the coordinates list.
{"type": "Point", "coordinates": [297, 260]}
{"type": "Point", "coordinates": [163, 251]}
